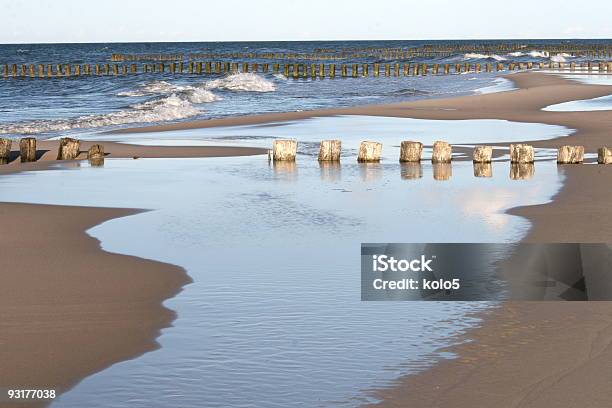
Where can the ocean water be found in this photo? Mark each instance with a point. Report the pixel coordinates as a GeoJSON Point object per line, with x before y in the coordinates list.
{"type": "Point", "coordinates": [51, 107]}
{"type": "Point", "coordinates": [274, 316]}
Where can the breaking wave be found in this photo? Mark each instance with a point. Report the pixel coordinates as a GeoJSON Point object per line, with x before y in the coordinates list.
{"type": "Point", "coordinates": [560, 57]}
{"type": "Point", "coordinates": [193, 94]}
{"type": "Point", "coordinates": [159, 110]}
{"type": "Point", "coordinates": [248, 82]}
{"type": "Point", "coordinates": [484, 56]}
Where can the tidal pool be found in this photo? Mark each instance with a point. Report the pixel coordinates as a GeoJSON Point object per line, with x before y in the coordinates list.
{"type": "Point", "coordinates": [274, 315]}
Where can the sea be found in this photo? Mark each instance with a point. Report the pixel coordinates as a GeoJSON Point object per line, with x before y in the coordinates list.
{"type": "Point", "coordinates": [76, 105]}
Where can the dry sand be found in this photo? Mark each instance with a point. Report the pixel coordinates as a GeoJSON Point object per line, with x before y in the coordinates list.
{"type": "Point", "coordinates": [525, 355]}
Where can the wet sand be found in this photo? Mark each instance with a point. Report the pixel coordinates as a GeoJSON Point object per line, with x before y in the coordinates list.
{"type": "Point", "coordinates": [527, 354]}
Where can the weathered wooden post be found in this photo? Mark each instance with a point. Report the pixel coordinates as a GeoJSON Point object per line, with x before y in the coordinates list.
{"type": "Point", "coordinates": [27, 149]}
{"type": "Point", "coordinates": [330, 150]}
{"type": "Point", "coordinates": [521, 153]}
{"type": "Point", "coordinates": [442, 171]}
{"type": "Point", "coordinates": [411, 151]}
{"type": "Point", "coordinates": [604, 155]}
{"type": "Point", "coordinates": [521, 171]}
{"type": "Point", "coordinates": [284, 150]}
{"type": "Point", "coordinates": [482, 154]}
{"type": "Point", "coordinates": [5, 150]}
{"type": "Point", "coordinates": [369, 152]}
{"type": "Point", "coordinates": [482, 169]}
{"type": "Point", "coordinates": [95, 155]}
{"type": "Point", "coordinates": [68, 148]}
{"type": "Point", "coordinates": [570, 154]}
{"type": "Point", "coordinates": [442, 152]}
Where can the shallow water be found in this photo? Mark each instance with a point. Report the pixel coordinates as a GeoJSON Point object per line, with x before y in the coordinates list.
{"type": "Point", "coordinates": [589, 79]}
{"type": "Point", "coordinates": [351, 130]}
{"type": "Point", "coordinates": [273, 316]}
{"type": "Point", "coordinates": [584, 105]}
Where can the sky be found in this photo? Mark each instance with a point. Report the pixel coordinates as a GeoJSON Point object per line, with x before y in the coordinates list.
{"type": "Point", "coordinates": [36, 21]}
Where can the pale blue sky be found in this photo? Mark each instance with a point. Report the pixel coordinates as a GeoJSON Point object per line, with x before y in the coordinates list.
{"type": "Point", "coordinates": [233, 20]}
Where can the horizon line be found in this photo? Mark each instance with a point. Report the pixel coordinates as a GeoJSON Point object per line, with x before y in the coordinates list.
{"type": "Point", "coordinates": [302, 40]}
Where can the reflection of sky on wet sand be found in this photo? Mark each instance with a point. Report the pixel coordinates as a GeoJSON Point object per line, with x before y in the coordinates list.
{"type": "Point", "coordinates": [274, 313]}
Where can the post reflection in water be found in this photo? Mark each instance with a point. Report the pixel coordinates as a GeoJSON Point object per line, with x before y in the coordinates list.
{"type": "Point", "coordinates": [522, 171]}
{"type": "Point", "coordinates": [483, 170]}
{"type": "Point", "coordinates": [285, 170]}
{"type": "Point", "coordinates": [370, 171]}
{"type": "Point", "coordinates": [330, 170]}
{"type": "Point", "coordinates": [411, 170]}
{"type": "Point", "coordinates": [99, 162]}
{"type": "Point", "coordinates": [442, 171]}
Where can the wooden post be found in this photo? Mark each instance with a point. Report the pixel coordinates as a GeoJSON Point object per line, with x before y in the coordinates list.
{"type": "Point", "coordinates": [411, 151]}
{"type": "Point", "coordinates": [5, 150]}
{"type": "Point", "coordinates": [442, 152]}
{"type": "Point", "coordinates": [482, 154]}
{"type": "Point", "coordinates": [284, 150]}
{"type": "Point", "coordinates": [483, 169]}
{"type": "Point", "coordinates": [604, 155]}
{"type": "Point", "coordinates": [95, 155]}
{"type": "Point", "coordinates": [330, 150]}
{"type": "Point", "coordinates": [68, 149]}
{"type": "Point", "coordinates": [521, 153]}
{"type": "Point", "coordinates": [570, 154]}
{"type": "Point", "coordinates": [369, 152]}
{"type": "Point", "coordinates": [27, 149]}
{"type": "Point", "coordinates": [376, 69]}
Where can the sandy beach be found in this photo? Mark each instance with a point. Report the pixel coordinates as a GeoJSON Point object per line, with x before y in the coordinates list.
{"type": "Point", "coordinates": [523, 355]}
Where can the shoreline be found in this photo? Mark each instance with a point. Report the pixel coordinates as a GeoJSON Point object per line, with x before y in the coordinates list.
{"type": "Point", "coordinates": [75, 317]}
{"type": "Point", "coordinates": [577, 213]}
{"type": "Point", "coordinates": [98, 308]}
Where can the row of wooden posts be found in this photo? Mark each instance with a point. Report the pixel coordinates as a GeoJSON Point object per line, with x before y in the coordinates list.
{"type": "Point", "coordinates": [294, 70]}
{"type": "Point", "coordinates": [68, 149]}
{"type": "Point", "coordinates": [410, 151]}
{"type": "Point", "coordinates": [593, 51]}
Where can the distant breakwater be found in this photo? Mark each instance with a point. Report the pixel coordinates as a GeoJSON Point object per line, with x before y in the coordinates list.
{"type": "Point", "coordinates": [290, 70]}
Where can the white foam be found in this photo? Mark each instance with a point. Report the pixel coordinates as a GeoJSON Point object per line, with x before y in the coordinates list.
{"type": "Point", "coordinates": [248, 82]}
{"type": "Point", "coordinates": [558, 58]}
{"type": "Point", "coordinates": [168, 108]}
{"type": "Point", "coordinates": [532, 53]}
{"type": "Point", "coordinates": [194, 94]}
{"type": "Point", "coordinates": [500, 85]}
{"type": "Point", "coordinates": [484, 56]}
